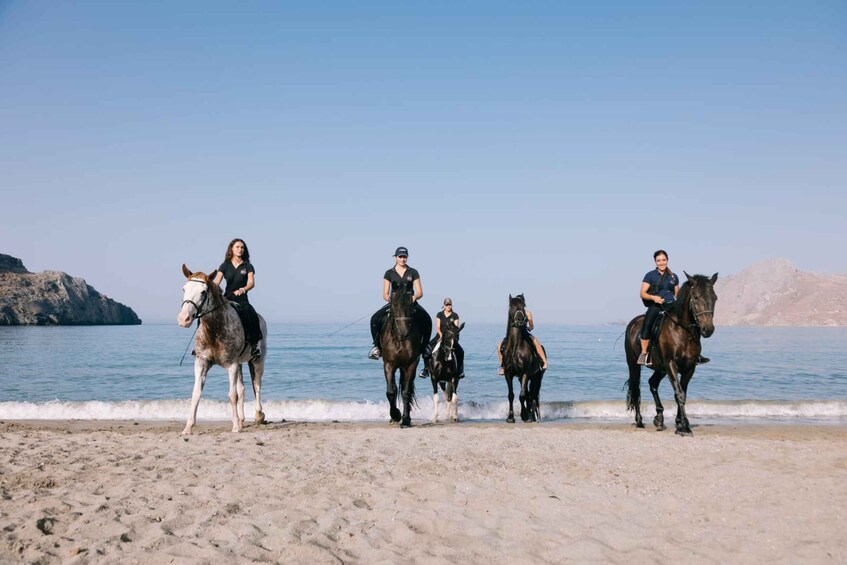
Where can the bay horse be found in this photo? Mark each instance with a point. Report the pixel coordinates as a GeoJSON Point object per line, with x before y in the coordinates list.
{"type": "Point", "coordinates": [677, 349]}
{"type": "Point", "coordinates": [445, 372]}
{"type": "Point", "coordinates": [521, 360]}
{"type": "Point", "coordinates": [220, 341]}
{"type": "Point", "coordinates": [402, 344]}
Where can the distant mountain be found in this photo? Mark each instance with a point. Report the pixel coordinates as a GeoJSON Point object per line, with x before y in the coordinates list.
{"type": "Point", "coordinates": [775, 293]}
{"type": "Point", "coordinates": [52, 298]}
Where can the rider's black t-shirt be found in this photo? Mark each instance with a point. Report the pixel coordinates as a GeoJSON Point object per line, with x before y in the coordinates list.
{"type": "Point", "coordinates": [451, 319]}
{"type": "Point", "coordinates": [236, 277]}
{"type": "Point", "coordinates": [411, 275]}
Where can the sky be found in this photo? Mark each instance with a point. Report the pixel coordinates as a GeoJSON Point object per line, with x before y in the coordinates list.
{"type": "Point", "coordinates": [544, 148]}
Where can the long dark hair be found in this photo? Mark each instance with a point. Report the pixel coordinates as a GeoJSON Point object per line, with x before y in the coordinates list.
{"type": "Point", "coordinates": [228, 256]}
{"type": "Point", "coordinates": [656, 254]}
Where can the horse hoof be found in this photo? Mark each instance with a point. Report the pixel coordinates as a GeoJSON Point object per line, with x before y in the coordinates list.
{"type": "Point", "coordinates": [406, 423]}
{"type": "Point", "coordinates": [639, 425]}
{"type": "Point", "coordinates": [684, 433]}
{"type": "Point", "coordinates": [454, 420]}
{"type": "Point", "coordinates": [186, 432]}
{"type": "Point", "coordinates": [510, 419]}
{"type": "Point", "coordinates": [260, 417]}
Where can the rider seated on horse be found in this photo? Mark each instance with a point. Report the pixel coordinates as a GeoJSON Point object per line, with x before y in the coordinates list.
{"type": "Point", "coordinates": [240, 278]}
{"type": "Point", "coordinates": [442, 322]}
{"type": "Point", "coordinates": [399, 273]}
{"type": "Point", "coordinates": [527, 328]}
{"type": "Point", "coordinates": [659, 290]}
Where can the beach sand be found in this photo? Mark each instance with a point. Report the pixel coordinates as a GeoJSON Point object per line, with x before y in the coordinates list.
{"type": "Point", "coordinates": [126, 492]}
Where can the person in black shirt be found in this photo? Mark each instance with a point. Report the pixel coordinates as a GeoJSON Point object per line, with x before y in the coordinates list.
{"type": "Point", "coordinates": [398, 273]}
{"type": "Point", "coordinates": [527, 329]}
{"type": "Point", "coordinates": [442, 319]}
{"type": "Point", "coordinates": [240, 278]}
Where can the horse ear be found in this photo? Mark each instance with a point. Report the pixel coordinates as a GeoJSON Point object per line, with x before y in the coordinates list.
{"type": "Point", "coordinates": [510, 297]}
{"type": "Point", "coordinates": [186, 271]}
{"type": "Point", "coordinates": [714, 278]}
{"type": "Point", "coordinates": [687, 276]}
{"type": "Point", "coordinates": [212, 275]}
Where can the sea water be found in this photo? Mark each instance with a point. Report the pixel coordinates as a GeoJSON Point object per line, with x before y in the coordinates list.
{"type": "Point", "coordinates": [317, 373]}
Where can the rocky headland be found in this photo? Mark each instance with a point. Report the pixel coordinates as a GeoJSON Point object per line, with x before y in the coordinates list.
{"type": "Point", "coordinates": [52, 298]}
{"type": "Point", "coordinates": [776, 293]}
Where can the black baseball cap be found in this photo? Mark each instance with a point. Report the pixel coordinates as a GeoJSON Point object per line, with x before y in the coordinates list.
{"type": "Point", "coordinates": [401, 252]}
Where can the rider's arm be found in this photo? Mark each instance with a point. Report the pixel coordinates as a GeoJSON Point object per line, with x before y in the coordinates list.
{"type": "Point", "coordinates": [251, 282]}
{"type": "Point", "coordinates": [645, 296]}
{"type": "Point", "coordinates": [529, 323]}
{"type": "Point", "coordinates": [438, 326]}
{"type": "Point", "coordinates": [218, 278]}
{"type": "Point", "coordinates": [676, 291]}
{"type": "Point", "coordinates": [386, 290]}
{"type": "Point", "coordinates": [418, 290]}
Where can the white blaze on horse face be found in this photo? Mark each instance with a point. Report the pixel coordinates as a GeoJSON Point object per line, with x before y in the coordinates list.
{"type": "Point", "coordinates": [192, 294]}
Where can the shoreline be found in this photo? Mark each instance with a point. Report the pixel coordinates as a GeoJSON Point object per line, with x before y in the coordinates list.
{"type": "Point", "coordinates": [83, 491]}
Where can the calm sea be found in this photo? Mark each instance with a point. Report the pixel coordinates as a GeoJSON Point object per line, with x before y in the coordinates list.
{"type": "Point", "coordinates": [134, 372]}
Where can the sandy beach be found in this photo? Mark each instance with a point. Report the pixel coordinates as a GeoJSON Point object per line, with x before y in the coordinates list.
{"type": "Point", "coordinates": [109, 492]}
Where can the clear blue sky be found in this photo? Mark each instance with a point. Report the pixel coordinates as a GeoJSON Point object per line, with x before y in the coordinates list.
{"type": "Point", "coordinates": [539, 147]}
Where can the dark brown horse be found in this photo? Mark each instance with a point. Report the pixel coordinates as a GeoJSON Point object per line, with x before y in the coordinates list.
{"type": "Point", "coordinates": [402, 344]}
{"type": "Point", "coordinates": [677, 350]}
{"type": "Point", "coordinates": [521, 360]}
{"type": "Point", "coordinates": [445, 372]}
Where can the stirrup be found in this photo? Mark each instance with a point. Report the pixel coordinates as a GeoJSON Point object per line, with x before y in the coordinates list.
{"type": "Point", "coordinates": [501, 370]}
{"type": "Point", "coordinates": [424, 374]}
{"type": "Point", "coordinates": [375, 353]}
{"type": "Point", "coordinates": [642, 359]}
{"type": "Point", "coordinates": [462, 375]}
{"type": "Point", "coordinates": [255, 353]}
{"type": "Point", "coordinates": [702, 360]}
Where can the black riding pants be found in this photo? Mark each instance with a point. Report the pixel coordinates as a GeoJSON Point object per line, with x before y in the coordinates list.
{"type": "Point", "coordinates": [653, 312]}
{"type": "Point", "coordinates": [250, 321]}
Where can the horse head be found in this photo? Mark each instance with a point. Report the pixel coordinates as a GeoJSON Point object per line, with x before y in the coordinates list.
{"type": "Point", "coordinates": [401, 305]}
{"type": "Point", "coordinates": [701, 302]}
{"type": "Point", "coordinates": [517, 311]}
{"type": "Point", "coordinates": [449, 336]}
{"type": "Point", "coordinates": [197, 292]}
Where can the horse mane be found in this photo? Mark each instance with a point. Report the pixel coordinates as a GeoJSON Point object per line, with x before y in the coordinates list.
{"type": "Point", "coordinates": [679, 305]}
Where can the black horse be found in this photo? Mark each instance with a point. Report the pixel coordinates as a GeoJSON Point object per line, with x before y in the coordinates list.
{"type": "Point", "coordinates": [677, 349]}
{"type": "Point", "coordinates": [402, 344]}
{"type": "Point", "coordinates": [445, 372]}
{"type": "Point", "coordinates": [521, 360]}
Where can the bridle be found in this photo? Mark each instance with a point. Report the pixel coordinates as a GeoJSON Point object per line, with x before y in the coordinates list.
{"type": "Point", "coordinates": [204, 298]}
{"type": "Point", "coordinates": [519, 323]}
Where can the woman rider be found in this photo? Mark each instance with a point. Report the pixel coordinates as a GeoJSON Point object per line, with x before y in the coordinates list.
{"type": "Point", "coordinates": [442, 320]}
{"type": "Point", "coordinates": [239, 275]}
{"type": "Point", "coordinates": [530, 325]}
{"type": "Point", "coordinates": [659, 289]}
{"type": "Point", "coordinates": [399, 273]}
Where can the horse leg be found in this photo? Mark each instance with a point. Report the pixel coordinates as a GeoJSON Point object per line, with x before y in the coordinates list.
{"type": "Point", "coordinates": [682, 427]}
{"type": "Point", "coordinates": [511, 417]}
{"type": "Point", "coordinates": [391, 393]}
{"type": "Point", "coordinates": [434, 400]}
{"type": "Point", "coordinates": [453, 388]}
{"type": "Point", "coordinates": [523, 398]}
{"type": "Point", "coordinates": [236, 384]}
{"type": "Point", "coordinates": [659, 420]}
{"type": "Point", "coordinates": [201, 369]}
{"type": "Point", "coordinates": [257, 369]}
{"type": "Point", "coordinates": [535, 396]}
{"type": "Point", "coordinates": [407, 384]}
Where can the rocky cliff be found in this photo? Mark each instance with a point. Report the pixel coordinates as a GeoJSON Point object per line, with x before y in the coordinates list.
{"type": "Point", "coordinates": [775, 293]}
{"type": "Point", "coordinates": [52, 298]}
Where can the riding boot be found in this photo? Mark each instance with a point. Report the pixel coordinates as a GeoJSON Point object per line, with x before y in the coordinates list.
{"type": "Point", "coordinates": [702, 360]}
{"type": "Point", "coordinates": [375, 353]}
{"type": "Point", "coordinates": [427, 357]}
{"type": "Point", "coordinates": [255, 351]}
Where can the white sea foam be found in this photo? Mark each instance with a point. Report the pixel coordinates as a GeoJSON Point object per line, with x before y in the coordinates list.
{"type": "Point", "coordinates": [327, 411]}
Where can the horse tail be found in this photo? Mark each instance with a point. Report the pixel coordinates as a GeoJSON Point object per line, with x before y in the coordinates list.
{"type": "Point", "coordinates": [633, 383]}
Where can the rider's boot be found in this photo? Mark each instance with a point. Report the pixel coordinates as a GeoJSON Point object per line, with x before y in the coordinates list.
{"type": "Point", "coordinates": [375, 353]}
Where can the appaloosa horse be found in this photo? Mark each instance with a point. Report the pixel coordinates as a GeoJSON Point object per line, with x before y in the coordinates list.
{"type": "Point", "coordinates": [445, 372]}
{"type": "Point", "coordinates": [521, 360]}
{"type": "Point", "coordinates": [677, 350]}
{"type": "Point", "coordinates": [402, 343]}
{"type": "Point", "coordinates": [220, 341]}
